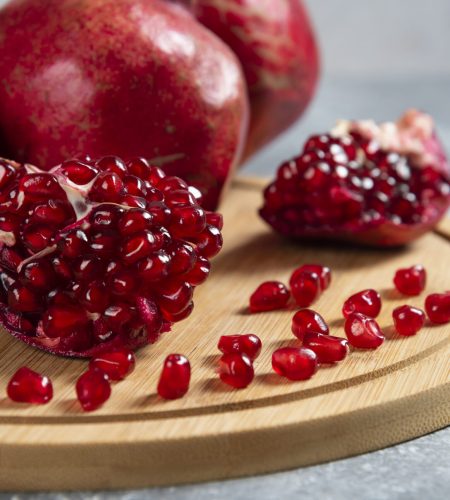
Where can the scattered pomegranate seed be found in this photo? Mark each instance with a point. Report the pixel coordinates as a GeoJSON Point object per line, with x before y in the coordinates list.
{"type": "Point", "coordinates": [328, 349]}
{"type": "Point", "coordinates": [93, 389]}
{"type": "Point", "coordinates": [323, 272]}
{"type": "Point", "coordinates": [411, 280]}
{"type": "Point", "coordinates": [305, 288]}
{"type": "Point", "coordinates": [295, 363]}
{"type": "Point", "coordinates": [367, 302]}
{"type": "Point", "coordinates": [236, 370]}
{"type": "Point", "coordinates": [117, 364]}
{"type": "Point", "coordinates": [175, 377]}
{"type": "Point", "coordinates": [437, 306]}
{"type": "Point", "coordinates": [308, 321]}
{"type": "Point", "coordinates": [241, 344]}
{"type": "Point", "coordinates": [408, 320]}
{"type": "Point", "coordinates": [363, 332]}
{"type": "Point", "coordinates": [28, 386]}
{"type": "Point", "coordinates": [269, 296]}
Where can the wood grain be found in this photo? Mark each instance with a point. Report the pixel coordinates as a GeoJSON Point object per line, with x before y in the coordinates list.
{"type": "Point", "coordinates": [371, 400]}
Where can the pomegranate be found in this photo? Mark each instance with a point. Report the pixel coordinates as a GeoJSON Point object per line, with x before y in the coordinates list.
{"type": "Point", "coordinates": [381, 185]}
{"type": "Point", "coordinates": [94, 260]}
{"type": "Point", "coordinates": [275, 43]}
{"type": "Point", "coordinates": [123, 77]}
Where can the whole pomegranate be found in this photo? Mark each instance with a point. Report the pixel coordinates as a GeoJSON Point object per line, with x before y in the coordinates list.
{"type": "Point", "coordinates": [381, 185]}
{"type": "Point", "coordinates": [124, 77]}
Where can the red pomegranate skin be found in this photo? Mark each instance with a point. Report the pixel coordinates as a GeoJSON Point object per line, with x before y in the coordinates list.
{"type": "Point", "coordinates": [123, 77]}
{"type": "Point", "coordinates": [275, 42]}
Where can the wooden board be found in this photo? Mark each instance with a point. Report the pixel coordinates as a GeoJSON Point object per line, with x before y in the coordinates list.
{"type": "Point", "coordinates": [371, 400]}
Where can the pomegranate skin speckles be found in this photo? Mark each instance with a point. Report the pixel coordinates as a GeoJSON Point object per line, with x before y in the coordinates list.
{"type": "Point", "coordinates": [437, 306]}
{"type": "Point", "coordinates": [305, 288]}
{"type": "Point", "coordinates": [175, 377]}
{"type": "Point", "coordinates": [269, 296]}
{"type": "Point", "coordinates": [93, 389]}
{"type": "Point", "coordinates": [295, 363]}
{"type": "Point", "coordinates": [367, 302]}
{"type": "Point", "coordinates": [28, 386]}
{"type": "Point", "coordinates": [411, 280]}
{"type": "Point", "coordinates": [363, 332]}
{"type": "Point", "coordinates": [328, 349]}
{"type": "Point", "coordinates": [236, 370]}
{"type": "Point", "coordinates": [323, 272]}
{"type": "Point", "coordinates": [408, 320]}
{"type": "Point", "coordinates": [308, 321]}
{"type": "Point", "coordinates": [242, 344]}
{"type": "Point", "coordinates": [117, 364]}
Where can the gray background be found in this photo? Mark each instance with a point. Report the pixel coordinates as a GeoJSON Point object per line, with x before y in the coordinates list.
{"type": "Point", "coordinates": [379, 57]}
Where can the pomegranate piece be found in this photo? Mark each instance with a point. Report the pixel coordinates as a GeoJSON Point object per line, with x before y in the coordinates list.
{"type": "Point", "coordinates": [236, 370]}
{"type": "Point", "coordinates": [295, 363]}
{"type": "Point", "coordinates": [269, 296]}
{"type": "Point", "coordinates": [408, 320]}
{"type": "Point", "coordinates": [380, 185]}
{"type": "Point", "coordinates": [122, 254]}
{"type": "Point", "coordinates": [323, 272]}
{"type": "Point", "coordinates": [305, 288]}
{"type": "Point", "coordinates": [328, 349]}
{"type": "Point", "coordinates": [437, 306]}
{"type": "Point", "coordinates": [28, 386]}
{"type": "Point", "coordinates": [93, 389]}
{"type": "Point", "coordinates": [175, 377]}
{"type": "Point", "coordinates": [250, 345]}
{"type": "Point", "coordinates": [367, 302]}
{"type": "Point", "coordinates": [411, 280]}
{"type": "Point", "coordinates": [308, 321]}
{"type": "Point", "coordinates": [363, 332]}
{"type": "Point", "coordinates": [117, 364]}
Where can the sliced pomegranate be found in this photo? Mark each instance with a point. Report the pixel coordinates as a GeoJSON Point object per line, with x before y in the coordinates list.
{"type": "Point", "coordinates": [94, 260]}
{"type": "Point", "coordinates": [249, 345]}
{"type": "Point", "coordinates": [367, 302]}
{"type": "Point", "coordinates": [381, 185]}
{"type": "Point", "coordinates": [363, 332]}
{"type": "Point", "coordinates": [437, 306]}
{"type": "Point", "coordinates": [408, 320]}
{"type": "Point", "coordinates": [411, 280]}
{"type": "Point", "coordinates": [28, 386]}
{"type": "Point", "coordinates": [175, 377]}
{"type": "Point", "coordinates": [269, 296]}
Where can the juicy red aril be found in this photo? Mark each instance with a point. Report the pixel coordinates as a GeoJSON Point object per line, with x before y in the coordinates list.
{"type": "Point", "coordinates": [236, 370]}
{"type": "Point", "coordinates": [294, 363]}
{"type": "Point", "coordinates": [410, 281]}
{"type": "Point", "coordinates": [363, 332]}
{"type": "Point", "coordinates": [408, 320]}
{"type": "Point", "coordinates": [209, 241]}
{"type": "Point", "coordinates": [269, 296]}
{"type": "Point", "coordinates": [175, 377]}
{"type": "Point", "coordinates": [323, 272]}
{"type": "Point", "coordinates": [117, 364]}
{"type": "Point", "coordinates": [328, 349]}
{"type": "Point", "coordinates": [28, 386]}
{"type": "Point", "coordinates": [249, 345]}
{"type": "Point", "coordinates": [305, 288]}
{"type": "Point", "coordinates": [198, 274]}
{"type": "Point", "coordinates": [308, 321]}
{"type": "Point", "coordinates": [78, 172]}
{"type": "Point", "coordinates": [367, 302]}
{"type": "Point", "coordinates": [437, 306]}
{"type": "Point", "coordinates": [93, 389]}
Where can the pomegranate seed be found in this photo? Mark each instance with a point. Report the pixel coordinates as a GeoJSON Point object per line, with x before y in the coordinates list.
{"type": "Point", "coordinates": [308, 321]}
{"type": "Point", "coordinates": [78, 172]}
{"type": "Point", "coordinates": [269, 296]}
{"type": "Point", "coordinates": [236, 370]}
{"type": "Point", "coordinates": [209, 242]}
{"type": "Point", "coordinates": [323, 272]}
{"type": "Point", "coordinates": [305, 288]}
{"type": "Point", "coordinates": [408, 320]}
{"type": "Point", "coordinates": [437, 306]}
{"type": "Point", "coordinates": [107, 187]}
{"type": "Point", "coordinates": [294, 363]}
{"type": "Point", "coordinates": [250, 345]}
{"type": "Point", "coordinates": [367, 302]}
{"type": "Point", "coordinates": [28, 386]}
{"type": "Point", "coordinates": [328, 349]}
{"type": "Point", "coordinates": [117, 364]}
{"type": "Point", "coordinates": [198, 274]}
{"type": "Point", "coordinates": [155, 267]}
{"type": "Point", "coordinates": [23, 299]}
{"type": "Point", "coordinates": [135, 221]}
{"type": "Point", "coordinates": [175, 377]}
{"type": "Point", "coordinates": [112, 164]}
{"type": "Point", "coordinates": [38, 275]}
{"type": "Point", "coordinates": [93, 389]}
{"type": "Point", "coordinates": [188, 220]}
{"type": "Point", "coordinates": [363, 332]}
{"type": "Point", "coordinates": [410, 281]}
{"type": "Point", "coordinates": [60, 320]}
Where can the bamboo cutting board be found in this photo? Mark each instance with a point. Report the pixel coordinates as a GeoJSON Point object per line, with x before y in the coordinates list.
{"type": "Point", "coordinates": [371, 400]}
